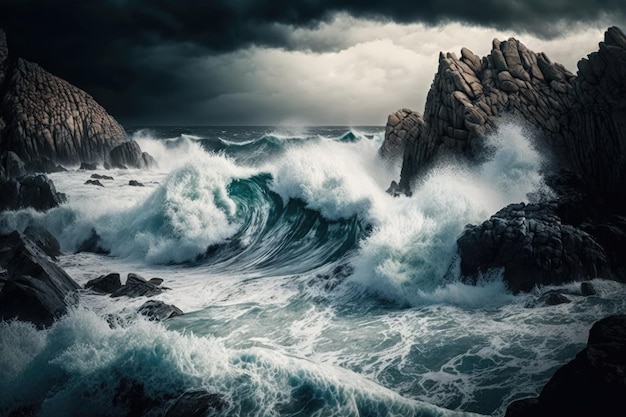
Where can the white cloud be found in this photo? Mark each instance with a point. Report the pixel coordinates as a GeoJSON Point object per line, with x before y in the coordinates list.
{"type": "Point", "coordinates": [354, 71]}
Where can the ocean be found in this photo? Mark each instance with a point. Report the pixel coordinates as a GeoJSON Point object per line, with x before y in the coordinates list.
{"type": "Point", "coordinates": [307, 289]}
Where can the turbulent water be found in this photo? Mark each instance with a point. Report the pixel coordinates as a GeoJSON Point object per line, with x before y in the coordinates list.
{"type": "Point", "coordinates": [308, 290]}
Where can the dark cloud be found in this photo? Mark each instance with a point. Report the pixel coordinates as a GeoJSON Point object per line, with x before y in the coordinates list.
{"type": "Point", "coordinates": [109, 47]}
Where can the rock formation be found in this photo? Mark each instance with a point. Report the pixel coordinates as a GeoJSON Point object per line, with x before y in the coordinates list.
{"type": "Point", "coordinates": [592, 384]}
{"type": "Point", "coordinates": [37, 289]}
{"type": "Point", "coordinates": [43, 116]}
{"type": "Point", "coordinates": [33, 190]}
{"type": "Point", "coordinates": [579, 120]}
{"type": "Point", "coordinates": [129, 155]}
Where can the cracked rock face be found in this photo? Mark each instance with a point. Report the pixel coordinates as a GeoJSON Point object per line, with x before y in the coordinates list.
{"type": "Point", "coordinates": [42, 115]}
{"type": "Point", "coordinates": [581, 118]}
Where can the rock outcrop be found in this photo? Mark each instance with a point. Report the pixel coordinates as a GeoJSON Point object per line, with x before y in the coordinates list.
{"type": "Point", "coordinates": [43, 116]}
{"type": "Point", "coordinates": [592, 384]}
{"type": "Point", "coordinates": [33, 190]}
{"type": "Point", "coordinates": [580, 118]}
{"type": "Point", "coordinates": [36, 288]}
{"type": "Point", "coordinates": [579, 121]}
{"type": "Point", "coordinates": [129, 155]}
{"type": "Point", "coordinates": [137, 286]}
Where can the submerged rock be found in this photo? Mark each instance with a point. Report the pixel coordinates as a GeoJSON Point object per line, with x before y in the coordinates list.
{"type": "Point", "coordinates": [88, 166]}
{"type": "Point", "coordinates": [94, 182]}
{"type": "Point", "coordinates": [159, 311]}
{"type": "Point", "coordinates": [135, 183]}
{"type": "Point", "coordinates": [197, 403]}
{"type": "Point", "coordinates": [101, 177]}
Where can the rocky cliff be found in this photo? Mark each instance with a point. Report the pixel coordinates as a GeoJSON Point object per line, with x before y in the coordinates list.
{"type": "Point", "coordinates": [581, 118]}
{"type": "Point", "coordinates": [44, 116]}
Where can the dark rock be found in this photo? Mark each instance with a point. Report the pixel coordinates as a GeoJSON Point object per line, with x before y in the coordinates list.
{"type": "Point", "coordinates": [135, 183]}
{"type": "Point", "coordinates": [129, 155]}
{"type": "Point", "coordinates": [553, 298]}
{"type": "Point", "coordinates": [107, 284]}
{"type": "Point", "coordinates": [88, 166]}
{"type": "Point", "coordinates": [44, 116]}
{"type": "Point", "coordinates": [197, 403]}
{"type": "Point", "coordinates": [44, 240]}
{"type": "Point", "coordinates": [136, 286]}
{"type": "Point", "coordinates": [587, 289]}
{"type": "Point", "coordinates": [592, 384]}
{"type": "Point", "coordinates": [156, 281]}
{"type": "Point", "coordinates": [533, 247]}
{"type": "Point", "coordinates": [401, 125]}
{"type": "Point", "coordinates": [94, 182]}
{"type": "Point", "coordinates": [37, 289]}
{"type": "Point", "coordinates": [44, 165]}
{"type": "Point", "coordinates": [32, 190]}
{"type": "Point", "coordinates": [131, 396]}
{"type": "Point", "coordinates": [92, 244]}
{"type": "Point", "coordinates": [12, 164]}
{"type": "Point", "coordinates": [101, 177]}
{"type": "Point", "coordinates": [158, 310]}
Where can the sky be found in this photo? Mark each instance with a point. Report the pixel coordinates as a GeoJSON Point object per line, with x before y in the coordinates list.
{"type": "Point", "coordinates": [309, 62]}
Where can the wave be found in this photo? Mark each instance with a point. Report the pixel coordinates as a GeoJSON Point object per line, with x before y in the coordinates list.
{"type": "Point", "coordinates": [84, 366]}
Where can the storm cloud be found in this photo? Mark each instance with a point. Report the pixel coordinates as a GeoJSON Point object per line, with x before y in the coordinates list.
{"type": "Point", "coordinates": [237, 61]}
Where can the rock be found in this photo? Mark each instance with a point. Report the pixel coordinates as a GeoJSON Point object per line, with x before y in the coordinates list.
{"type": "Point", "coordinates": [159, 311]}
{"type": "Point", "coordinates": [101, 177]}
{"type": "Point", "coordinates": [401, 125]}
{"type": "Point", "coordinates": [156, 281]}
{"type": "Point", "coordinates": [12, 164]}
{"type": "Point", "coordinates": [37, 289]}
{"type": "Point", "coordinates": [44, 116]}
{"type": "Point", "coordinates": [592, 384]}
{"type": "Point", "coordinates": [135, 183]}
{"type": "Point", "coordinates": [44, 165]}
{"type": "Point", "coordinates": [129, 155]}
{"type": "Point", "coordinates": [92, 244]}
{"type": "Point", "coordinates": [587, 289]}
{"type": "Point", "coordinates": [107, 284]}
{"type": "Point", "coordinates": [136, 286]}
{"type": "Point", "coordinates": [32, 190]}
{"type": "Point", "coordinates": [44, 240]}
{"type": "Point", "coordinates": [94, 182]}
{"type": "Point", "coordinates": [88, 166]}
{"type": "Point", "coordinates": [553, 298]}
{"type": "Point", "coordinates": [197, 403]}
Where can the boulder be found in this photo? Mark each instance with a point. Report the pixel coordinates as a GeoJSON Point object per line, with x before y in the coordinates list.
{"type": "Point", "coordinates": [107, 284]}
{"type": "Point", "coordinates": [129, 155]}
{"type": "Point", "coordinates": [101, 177]}
{"type": "Point", "coordinates": [135, 183]}
{"type": "Point", "coordinates": [533, 248]}
{"type": "Point", "coordinates": [592, 384]}
{"type": "Point", "coordinates": [136, 286]}
{"type": "Point", "coordinates": [44, 116]}
{"type": "Point", "coordinates": [158, 310]}
{"type": "Point", "coordinates": [32, 190]}
{"type": "Point", "coordinates": [88, 166]}
{"type": "Point", "coordinates": [92, 244]}
{"type": "Point", "coordinates": [36, 289]}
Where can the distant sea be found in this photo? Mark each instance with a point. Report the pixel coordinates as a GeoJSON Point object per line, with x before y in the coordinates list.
{"type": "Point", "coordinates": [308, 290]}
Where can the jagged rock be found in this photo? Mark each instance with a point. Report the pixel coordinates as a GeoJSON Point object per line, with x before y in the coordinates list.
{"type": "Point", "coordinates": [553, 298]}
{"type": "Point", "coordinates": [94, 182]}
{"type": "Point", "coordinates": [32, 190]}
{"type": "Point", "coordinates": [44, 116]}
{"type": "Point", "coordinates": [592, 384]}
{"type": "Point", "coordinates": [572, 113]}
{"type": "Point", "coordinates": [158, 310]}
{"type": "Point", "coordinates": [129, 155]}
{"type": "Point", "coordinates": [135, 183]}
{"type": "Point", "coordinates": [533, 247]}
{"type": "Point", "coordinates": [44, 240]}
{"type": "Point", "coordinates": [88, 166]}
{"type": "Point", "coordinates": [401, 125]}
{"type": "Point", "coordinates": [12, 164]}
{"type": "Point", "coordinates": [196, 403]}
{"type": "Point", "coordinates": [37, 289]}
{"type": "Point", "coordinates": [101, 177]}
{"type": "Point", "coordinates": [107, 284]}
{"type": "Point", "coordinates": [136, 286]}
{"type": "Point", "coordinates": [156, 281]}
